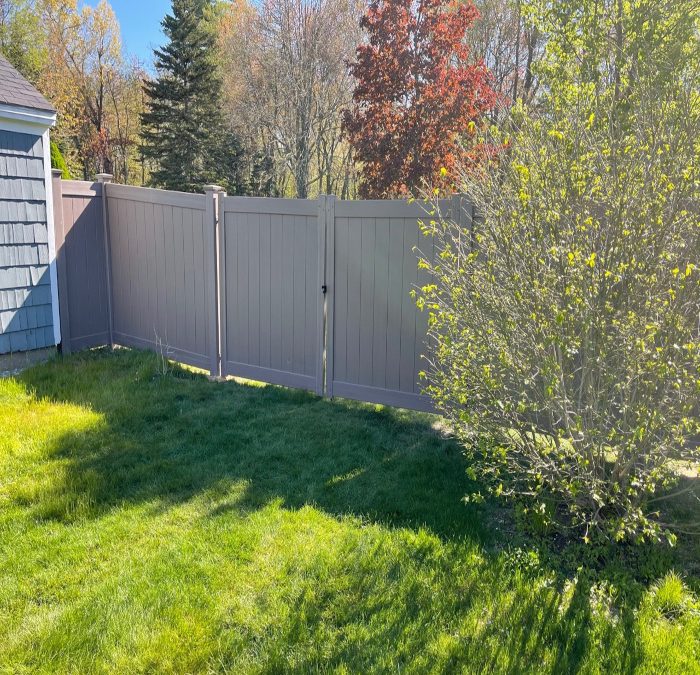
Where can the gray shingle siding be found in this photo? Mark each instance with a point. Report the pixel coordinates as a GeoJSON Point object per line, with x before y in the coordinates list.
{"type": "Point", "coordinates": [26, 320]}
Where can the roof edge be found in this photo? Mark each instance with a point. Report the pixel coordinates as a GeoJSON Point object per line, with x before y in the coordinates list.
{"type": "Point", "coordinates": [19, 117]}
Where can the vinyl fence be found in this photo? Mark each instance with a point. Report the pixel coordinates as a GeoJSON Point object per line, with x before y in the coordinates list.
{"type": "Point", "coordinates": [163, 272]}
{"type": "Point", "coordinates": [314, 294]}
{"type": "Point", "coordinates": [81, 264]}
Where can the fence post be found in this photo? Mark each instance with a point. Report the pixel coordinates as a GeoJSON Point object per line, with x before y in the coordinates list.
{"type": "Point", "coordinates": [322, 288]}
{"type": "Point", "coordinates": [211, 216]}
{"type": "Point", "coordinates": [104, 179]}
{"type": "Point", "coordinates": [61, 270]}
{"type": "Point", "coordinates": [221, 302]}
{"type": "Point", "coordinates": [329, 284]}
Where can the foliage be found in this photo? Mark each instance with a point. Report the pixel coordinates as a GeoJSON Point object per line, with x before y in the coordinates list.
{"type": "Point", "coordinates": [567, 329]}
{"type": "Point", "coordinates": [226, 162]}
{"type": "Point", "coordinates": [172, 524]}
{"type": "Point", "coordinates": [73, 55]}
{"type": "Point", "coordinates": [183, 122]}
{"type": "Point", "coordinates": [510, 45]}
{"type": "Point", "coordinates": [284, 64]}
{"type": "Point", "coordinates": [57, 161]}
{"type": "Point", "coordinates": [85, 46]}
{"type": "Point", "coordinates": [416, 96]}
{"type": "Point", "coordinates": [21, 38]}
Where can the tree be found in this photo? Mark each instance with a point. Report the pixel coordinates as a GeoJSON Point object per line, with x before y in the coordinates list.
{"type": "Point", "coordinates": [183, 124]}
{"type": "Point", "coordinates": [22, 37]}
{"type": "Point", "coordinates": [416, 95]}
{"type": "Point", "coordinates": [567, 337]}
{"type": "Point", "coordinates": [85, 55]}
{"type": "Point", "coordinates": [510, 45]}
{"type": "Point", "coordinates": [286, 84]}
{"type": "Point", "coordinates": [74, 57]}
{"type": "Point", "coordinates": [94, 88]}
{"type": "Point", "coordinates": [125, 93]}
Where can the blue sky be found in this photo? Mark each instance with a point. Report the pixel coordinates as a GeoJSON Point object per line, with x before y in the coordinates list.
{"type": "Point", "coordinates": [140, 24]}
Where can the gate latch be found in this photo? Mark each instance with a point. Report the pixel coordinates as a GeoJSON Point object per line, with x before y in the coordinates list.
{"type": "Point", "coordinates": [324, 289]}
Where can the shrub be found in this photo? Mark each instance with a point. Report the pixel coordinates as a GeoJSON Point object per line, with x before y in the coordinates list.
{"type": "Point", "coordinates": [58, 162]}
{"type": "Point", "coordinates": [567, 330]}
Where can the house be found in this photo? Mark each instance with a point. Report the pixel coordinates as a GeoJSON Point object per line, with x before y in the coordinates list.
{"type": "Point", "coordinates": [28, 283]}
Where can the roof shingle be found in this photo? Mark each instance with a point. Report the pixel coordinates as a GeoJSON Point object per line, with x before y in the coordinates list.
{"type": "Point", "coordinates": [15, 90]}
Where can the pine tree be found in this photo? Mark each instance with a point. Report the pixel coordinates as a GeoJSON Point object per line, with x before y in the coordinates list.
{"type": "Point", "coordinates": [184, 129]}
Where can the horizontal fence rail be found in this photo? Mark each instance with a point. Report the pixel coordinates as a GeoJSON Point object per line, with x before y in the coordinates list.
{"type": "Point", "coordinates": [314, 294]}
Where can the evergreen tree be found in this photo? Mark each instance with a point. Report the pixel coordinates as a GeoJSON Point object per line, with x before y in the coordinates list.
{"type": "Point", "coordinates": [184, 129]}
{"type": "Point", "coordinates": [225, 162]}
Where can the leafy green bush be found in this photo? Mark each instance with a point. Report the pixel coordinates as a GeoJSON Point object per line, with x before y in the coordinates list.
{"type": "Point", "coordinates": [58, 162]}
{"type": "Point", "coordinates": [567, 331]}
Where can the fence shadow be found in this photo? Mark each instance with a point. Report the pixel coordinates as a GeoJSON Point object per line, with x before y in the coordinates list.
{"type": "Point", "coordinates": [169, 439]}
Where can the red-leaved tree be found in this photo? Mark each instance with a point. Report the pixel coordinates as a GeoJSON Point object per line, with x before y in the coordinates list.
{"type": "Point", "coordinates": [418, 98]}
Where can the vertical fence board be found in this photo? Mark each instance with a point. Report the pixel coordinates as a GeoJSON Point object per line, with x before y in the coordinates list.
{"type": "Point", "coordinates": [204, 301]}
{"type": "Point", "coordinates": [395, 288]}
{"type": "Point", "coordinates": [367, 299]}
{"type": "Point", "coordinates": [381, 302]}
{"type": "Point", "coordinates": [223, 292]}
{"type": "Point", "coordinates": [253, 259]}
{"type": "Point", "coordinates": [276, 286]}
{"type": "Point", "coordinates": [61, 270]}
{"type": "Point", "coordinates": [338, 292]}
{"type": "Point", "coordinates": [408, 312]}
{"type": "Point", "coordinates": [299, 296]}
{"type": "Point", "coordinates": [325, 221]}
{"type": "Point", "coordinates": [265, 275]}
{"type": "Point", "coordinates": [330, 300]}
{"type": "Point", "coordinates": [352, 326]}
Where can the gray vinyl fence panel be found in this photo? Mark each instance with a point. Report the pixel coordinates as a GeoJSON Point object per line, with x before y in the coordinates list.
{"type": "Point", "coordinates": [162, 258]}
{"type": "Point", "coordinates": [377, 334]}
{"type": "Point", "coordinates": [270, 290]}
{"type": "Point", "coordinates": [81, 264]}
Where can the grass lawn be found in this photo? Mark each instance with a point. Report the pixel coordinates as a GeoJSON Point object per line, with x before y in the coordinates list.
{"type": "Point", "coordinates": [154, 523]}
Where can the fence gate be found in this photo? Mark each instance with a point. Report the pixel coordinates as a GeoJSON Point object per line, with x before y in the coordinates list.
{"type": "Point", "coordinates": [270, 278]}
{"type": "Point", "coordinates": [376, 334]}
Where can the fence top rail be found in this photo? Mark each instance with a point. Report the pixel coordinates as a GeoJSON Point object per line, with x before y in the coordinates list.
{"type": "Point", "coordinates": [388, 208]}
{"type": "Point", "coordinates": [271, 205]}
{"type": "Point", "coordinates": [80, 188]}
{"type": "Point", "coordinates": [153, 196]}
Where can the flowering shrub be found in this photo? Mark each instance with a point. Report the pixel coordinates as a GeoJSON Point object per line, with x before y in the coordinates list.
{"type": "Point", "coordinates": [567, 330]}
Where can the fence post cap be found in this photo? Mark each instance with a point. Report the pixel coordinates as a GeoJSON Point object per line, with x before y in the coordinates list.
{"type": "Point", "coordinates": [57, 173]}
{"type": "Point", "coordinates": [104, 177]}
{"type": "Point", "coordinates": [213, 188]}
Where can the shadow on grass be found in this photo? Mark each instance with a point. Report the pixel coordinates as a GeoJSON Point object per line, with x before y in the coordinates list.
{"type": "Point", "coordinates": [169, 439]}
{"type": "Point", "coordinates": [166, 440]}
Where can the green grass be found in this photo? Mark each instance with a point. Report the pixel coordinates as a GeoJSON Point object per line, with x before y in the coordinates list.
{"type": "Point", "coordinates": [170, 524]}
